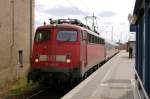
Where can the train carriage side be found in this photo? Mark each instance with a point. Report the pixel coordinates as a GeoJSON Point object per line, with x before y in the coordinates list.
{"type": "Point", "coordinates": [111, 49]}
{"type": "Point", "coordinates": [95, 52]}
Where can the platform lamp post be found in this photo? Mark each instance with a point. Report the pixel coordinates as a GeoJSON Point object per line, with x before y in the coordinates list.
{"type": "Point", "coordinates": [112, 30]}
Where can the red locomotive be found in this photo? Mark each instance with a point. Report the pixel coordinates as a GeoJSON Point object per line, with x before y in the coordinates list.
{"type": "Point", "coordinates": [66, 51]}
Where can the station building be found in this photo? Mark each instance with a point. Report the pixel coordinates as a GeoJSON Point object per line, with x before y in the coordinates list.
{"type": "Point", "coordinates": [16, 28]}
{"type": "Point", "coordinates": [140, 24]}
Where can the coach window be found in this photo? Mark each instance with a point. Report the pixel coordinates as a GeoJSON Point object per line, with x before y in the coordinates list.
{"type": "Point", "coordinates": [102, 41]}
{"type": "Point", "coordinates": [91, 37]}
{"type": "Point", "coordinates": [88, 38]}
{"type": "Point", "coordinates": [99, 41]}
{"type": "Point", "coordinates": [96, 40]}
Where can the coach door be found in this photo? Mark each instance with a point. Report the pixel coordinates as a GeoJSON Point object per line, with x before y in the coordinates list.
{"type": "Point", "coordinates": [84, 45]}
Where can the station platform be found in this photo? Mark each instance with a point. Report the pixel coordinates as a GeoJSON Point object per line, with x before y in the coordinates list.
{"type": "Point", "coordinates": [114, 80]}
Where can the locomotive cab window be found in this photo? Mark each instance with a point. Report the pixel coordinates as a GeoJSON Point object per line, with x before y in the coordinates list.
{"type": "Point", "coordinates": [67, 35]}
{"type": "Point", "coordinates": [42, 35]}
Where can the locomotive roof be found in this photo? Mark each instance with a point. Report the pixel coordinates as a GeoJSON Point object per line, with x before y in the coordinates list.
{"type": "Point", "coordinates": [59, 26]}
{"type": "Point", "coordinates": [65, 25]}
{"type": "Point", "coordinates": [93, 33]}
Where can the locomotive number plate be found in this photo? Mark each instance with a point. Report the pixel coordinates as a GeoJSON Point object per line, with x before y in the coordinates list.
{"type": "Point", "coordinates": [43, 58]}
{"type": "Point", "coordinates": [60, 58]}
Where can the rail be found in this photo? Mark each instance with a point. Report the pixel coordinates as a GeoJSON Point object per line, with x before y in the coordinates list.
{"type": "Point", "coordinates": [35, 94]}
{"type": "Point", "coordinates": [141, 84]}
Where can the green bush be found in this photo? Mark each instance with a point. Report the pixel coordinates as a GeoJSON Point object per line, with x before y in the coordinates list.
{"type": "Point", "coordinates": [20, 86]}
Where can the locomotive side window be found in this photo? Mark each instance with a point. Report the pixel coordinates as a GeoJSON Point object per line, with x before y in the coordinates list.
{"type": "Point", "coordinates": [95, 40]}
{"type": "Point", "coordinates": [42, 36]}
{"type": "Point", "coordinates": [89, 38]}
{"type": "Point", "coordinates": [68, 35]}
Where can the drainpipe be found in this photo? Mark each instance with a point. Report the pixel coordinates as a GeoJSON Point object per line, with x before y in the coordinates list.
{"type": "Point", "coordinates": [12, 33]}
{"type": "Point", "coordinates": [30, 31]}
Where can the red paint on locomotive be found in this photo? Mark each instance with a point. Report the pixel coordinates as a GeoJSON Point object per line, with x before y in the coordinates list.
{"type": "Point", "coordinates": [65, 49]}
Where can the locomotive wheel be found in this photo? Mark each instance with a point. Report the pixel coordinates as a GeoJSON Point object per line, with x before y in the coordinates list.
{"type": "Point", "coordinates": [85, 76]}
{"type": "Point", "coordinates": [43, 82]}
{"type": "Point", "coordinates": [96, 67]}
{"type": "Point", "coordinates": [71, 83]}
{"type": "Point", "coordinates": [74, 82]}
{"type": "Point", "coordinates": [78, 80]}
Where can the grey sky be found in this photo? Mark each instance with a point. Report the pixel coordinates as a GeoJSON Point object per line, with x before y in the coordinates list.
{"type": "Point", "coordinates": [107, 14]}
{"type": "Point", "coordinates": [64, 11]}
{"type": "Point", "coordinates": [110, 13]}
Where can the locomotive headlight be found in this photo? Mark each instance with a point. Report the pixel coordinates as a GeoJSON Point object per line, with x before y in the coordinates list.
{"type": "Point", "coordinates": [68, 60]}
{"type": "Point", "coordinates": [36, 60]}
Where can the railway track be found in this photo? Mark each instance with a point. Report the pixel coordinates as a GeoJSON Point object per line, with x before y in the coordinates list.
{"type": "Point", "coordinates": [35, 94]}
{"type": "Point", "coordinates": [48, 93]}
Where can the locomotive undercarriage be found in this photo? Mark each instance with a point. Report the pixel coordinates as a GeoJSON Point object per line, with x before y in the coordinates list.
{"type": "Point", "coordinates": [54, 75]}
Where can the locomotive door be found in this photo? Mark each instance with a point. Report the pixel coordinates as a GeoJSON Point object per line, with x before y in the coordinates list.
{"type": "Point", "coordinates": [84, 44]}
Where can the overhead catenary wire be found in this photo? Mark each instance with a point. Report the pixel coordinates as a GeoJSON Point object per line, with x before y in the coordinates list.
{"type": "Point", "coordinates": [75, 7]}
{"type": "Point", "coordinates": [94, 18]}
{"type": "Point", "coordinates": [84, 14]}
{"type": "Point", "coordinates": [85, 6]}
{"type": "Point", "coordinates": [94, 21]}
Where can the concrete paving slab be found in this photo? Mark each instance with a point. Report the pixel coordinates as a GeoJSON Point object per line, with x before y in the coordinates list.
{"type": "Point", "coordinates": [114, 80]}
